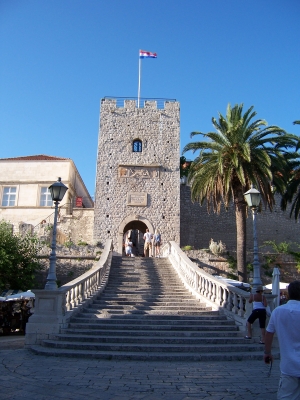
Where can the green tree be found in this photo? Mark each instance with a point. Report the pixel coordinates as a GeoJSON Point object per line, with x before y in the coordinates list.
{"type": "Point", "coordinates": [18, 259]}
{"type": "Point", "coordinates": [184, 167]}
{"type": "Point", "coordinates": [291, 193]}
{"type": "Point", "coordinates": [241, 152]}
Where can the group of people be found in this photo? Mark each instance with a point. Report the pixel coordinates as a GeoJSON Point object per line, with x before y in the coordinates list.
{"type": "Point", "coordinates": [285, 323]}
{"type": "Point", "coordinates": [149, 241]}
{"type": "Point", "coordinates": [14, 316]}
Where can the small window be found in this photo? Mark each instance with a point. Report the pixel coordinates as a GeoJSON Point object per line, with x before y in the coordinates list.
{"type": "Point", "coordinates": [137, 146]}
{"type": "Point", "coordinates": [9, 196]}
{"type": "Point", "coordinates": [45, 200]}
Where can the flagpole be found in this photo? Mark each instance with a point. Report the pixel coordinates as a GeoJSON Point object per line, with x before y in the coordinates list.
{"type": "Point", "coordinates": [139, 86]}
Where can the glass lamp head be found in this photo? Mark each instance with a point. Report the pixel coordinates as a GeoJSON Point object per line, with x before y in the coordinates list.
{"type": "Point", "coordinates": [252, 197]}
{"type": "Point", "coordinates": [58, 190]}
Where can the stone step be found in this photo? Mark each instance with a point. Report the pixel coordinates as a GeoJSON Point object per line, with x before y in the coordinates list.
{"type": "Point", "coordinates": [153, 356]}
{"type": "Point", "coordinates": [150, 340]}
{"type": "Point", "coordinates": [119, 312]}
{"type": "Point", "coordinates": [153, 347]}
{"type": "Point", "coordinates": [138, 302]}
{"type": "Point", "coordinates": [146, 297]}
{"type": "Point", "coordinates": [82, 323]}
{"type": "Point", "coordinates": [146, 291]}
{"type": "Point", "coordinates": [145, 313]}
{"type": "Point", "coordinates": [204, 316]}
{"type": "Point", "coordinates": [146, 306]}
{"type": "Point", "coordinates": [158, 333]}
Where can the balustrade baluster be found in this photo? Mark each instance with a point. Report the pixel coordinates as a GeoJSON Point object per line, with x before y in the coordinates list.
{"type": "Point", "coordinates": [213, 296]}
{"type": "Point", "coordinates": [229, 301]}
{"type": "Point", "coordinates": [241, 306]}
{"type": "Point", "coordinates": [235, 304]}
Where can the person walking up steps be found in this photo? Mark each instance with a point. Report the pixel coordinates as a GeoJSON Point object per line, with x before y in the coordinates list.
{"type": "Point", "coordinates": [157, 243]}
{"type": "Point", "coordinates": [259, 311]}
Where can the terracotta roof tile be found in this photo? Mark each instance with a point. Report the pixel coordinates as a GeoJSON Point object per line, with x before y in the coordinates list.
{"type": "Point", "coordinates": [39, 157]}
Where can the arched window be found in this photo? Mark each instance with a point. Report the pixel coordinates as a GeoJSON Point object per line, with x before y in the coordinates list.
{"type": "Point", "coordinates": [137, 146]}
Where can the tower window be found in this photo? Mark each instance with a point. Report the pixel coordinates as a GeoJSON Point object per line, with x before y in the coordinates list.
{"type": "Point", "coordinates": [137, 146]}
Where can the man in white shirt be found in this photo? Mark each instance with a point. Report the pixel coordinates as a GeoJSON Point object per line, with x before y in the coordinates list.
{"type": "Point", "coordinates": [147, 246]}
{"type": "Point", "coordinates": [285, 322]}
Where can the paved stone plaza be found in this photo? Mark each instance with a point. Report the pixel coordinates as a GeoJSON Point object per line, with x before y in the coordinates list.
{"type": "Point", "coordinates": [29, 377]}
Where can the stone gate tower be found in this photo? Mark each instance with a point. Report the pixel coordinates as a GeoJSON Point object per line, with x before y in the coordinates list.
{"type": "Point", "coordinates": [138, 178]}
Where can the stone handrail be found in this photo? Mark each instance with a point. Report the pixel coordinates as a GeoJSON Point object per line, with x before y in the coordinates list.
{"type": "Point", "coordinates": [217, 294]}
{"type": "Point", "coordinates": [54, 308]}
{"type": "Point", "coordinates": [86, 285]}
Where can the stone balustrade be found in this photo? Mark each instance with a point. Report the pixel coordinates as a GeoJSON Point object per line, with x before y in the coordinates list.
{"type": "Point", "coordinates": [215, 292]}
{"type": "Point", "coordinates": [54, 308]}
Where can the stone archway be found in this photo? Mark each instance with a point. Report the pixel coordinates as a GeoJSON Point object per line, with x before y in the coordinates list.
{"type": "Point", "coordinates": [132, 222]}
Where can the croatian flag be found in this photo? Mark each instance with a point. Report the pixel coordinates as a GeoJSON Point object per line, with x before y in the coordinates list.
{"type": "Point", "coordinates": [147, 54]}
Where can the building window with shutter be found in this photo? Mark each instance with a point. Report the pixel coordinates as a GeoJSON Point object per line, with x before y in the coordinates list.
{"type": "Point", "coordinates": [137, 146]}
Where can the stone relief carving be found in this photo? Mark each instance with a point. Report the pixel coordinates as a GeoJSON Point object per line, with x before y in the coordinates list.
{"type": "Point", "coordinates": [137, 199]}
{"type": "Point", "coordinates": [139, 172]}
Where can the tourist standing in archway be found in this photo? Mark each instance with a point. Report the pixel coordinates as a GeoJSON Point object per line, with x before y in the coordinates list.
{"type": "Point", "coordinates": [157, 243]}
{"type": "Point", "coordinates": [147, 246]}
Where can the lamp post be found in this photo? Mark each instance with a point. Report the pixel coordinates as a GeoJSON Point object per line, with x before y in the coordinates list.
{"type": "Point", "coordinates": [57, 190]}
{"type": "Point", "coordinates": [253, 199]}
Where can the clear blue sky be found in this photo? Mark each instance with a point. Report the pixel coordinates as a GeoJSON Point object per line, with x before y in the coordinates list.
{"type": "Point", "coordinates": [58, 58]}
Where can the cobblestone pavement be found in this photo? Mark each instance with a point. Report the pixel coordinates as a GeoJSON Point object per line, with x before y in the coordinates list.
{"type": "Point", "coordinates": [26, 376]}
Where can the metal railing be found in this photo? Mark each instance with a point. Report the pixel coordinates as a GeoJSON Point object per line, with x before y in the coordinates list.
{"type": "Point", "coordinates": [47, 222]}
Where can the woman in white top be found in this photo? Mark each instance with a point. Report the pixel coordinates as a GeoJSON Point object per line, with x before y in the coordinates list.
{"type": "Point", "coordinates": [259, 311]}
{"type": "Point", "coordinates": [128, 247]}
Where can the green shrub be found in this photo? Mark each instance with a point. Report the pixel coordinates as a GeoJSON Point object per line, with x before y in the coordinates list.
{"type": "Point", "coordinates": [81, 243]}
{"type": "Point", "coordinates": [18, 259]}
{"type": "Point", "coordinates": [68, 243]}
{"type": "Point", "coordinates": [187, 248]}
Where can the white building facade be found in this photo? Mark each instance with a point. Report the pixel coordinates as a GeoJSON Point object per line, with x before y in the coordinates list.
{"type": "Point", "coordinates": [24, 194]}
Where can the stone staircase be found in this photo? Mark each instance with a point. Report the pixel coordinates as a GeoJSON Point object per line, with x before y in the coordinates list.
{"type": "Point", "coordinates": [145, 313]}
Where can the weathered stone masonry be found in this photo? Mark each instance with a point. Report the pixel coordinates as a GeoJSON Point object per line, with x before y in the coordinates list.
{"type": "Point", "coordinates": [197, 227]}
{"type": "Point", "coordinates": [141, 188]}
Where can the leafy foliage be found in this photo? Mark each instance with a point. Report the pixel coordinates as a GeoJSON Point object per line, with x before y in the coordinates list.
{"type": "Point", "coordinates": [280, 248]}
{"type": "Point", "coordinates": [241, 152]}
{"type": "Point", "coordinates": [187, 248]}
{"type": "Point", "coordinates": [232, 265]}
{"type": "Point", "coordinates": [82, 243]}
{"type": "Point", "coordinates": [18, 259]}
{"type": "Point", "coordinates": [217, 248]}
{"type": "Point", "coordinates": [292, 190]}
{"type": "Point", "coordinates": [184, 166]}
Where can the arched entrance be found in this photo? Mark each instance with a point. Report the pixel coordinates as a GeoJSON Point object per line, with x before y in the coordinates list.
{"type": "Point", "coordinates": [137, 225]}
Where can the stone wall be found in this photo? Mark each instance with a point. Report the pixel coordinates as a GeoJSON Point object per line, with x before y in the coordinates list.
{"type": "Point", "coordinates": [137, 189]}
{"type": "Point", "coordinates": [71, 262]}
{"type": "Point", "coordinates": [197, 227]}
{"type": "Point", "coordinates": [218, 265]}
{"type": "Point", "coordinates": [79, 226]}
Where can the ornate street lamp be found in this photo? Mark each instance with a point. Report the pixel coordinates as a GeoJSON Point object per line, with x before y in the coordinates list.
{"type": "Point", "coordinates": [57, 190]}
{"type": "Point", "coordinates": [253, 199]}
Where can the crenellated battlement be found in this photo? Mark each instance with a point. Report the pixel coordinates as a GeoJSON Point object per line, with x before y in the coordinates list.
{"type": "Point", "coordinates": [131, 103]}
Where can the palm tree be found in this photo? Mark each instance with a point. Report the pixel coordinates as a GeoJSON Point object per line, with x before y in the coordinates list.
{"type": "Point", "coordinates": [241, 152]}
{"type": "Point", "coordinates": [292, 191]}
